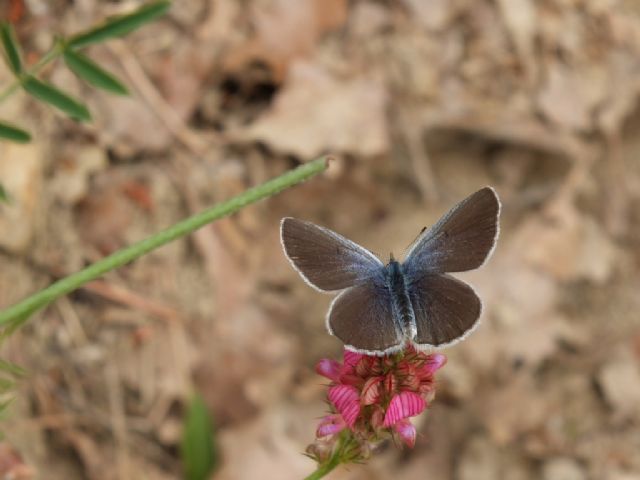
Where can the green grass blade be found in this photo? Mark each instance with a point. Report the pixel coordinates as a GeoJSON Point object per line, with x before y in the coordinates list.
{"type": "Point", "coordinates": [12, 368]}
{"type": "Point", "coordinates": [10, 44]}
{"type": "Point", "coordinates": [90, 72]}
{"type": "Point", "coordinates": [120, 25]}
{"type": "Point", "coordinates": [53, 96]}
{"type": "Point", "coordinates": [16, 134]}
{"type": "Point", "coordinates": [6, 385]}
{"type": "Point", "coordinates": [15, 315]}
{"type": "Point", "coordinates": [198, 451]}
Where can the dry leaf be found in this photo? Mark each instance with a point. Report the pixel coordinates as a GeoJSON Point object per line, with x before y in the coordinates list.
{"type": "Point", "coordinates": [316, 112]}
{"type": "Point", "coordinates": [620, 383]}
{"type": "Point", "coordinates": [562, 98]}
{"type": "Point", "coordinates": [286, 30]}
{"type": "Point", "coordinates": [569, 245]}
{"type": "Point", "coordinates": [21, 173]}
{"type": "Point", "coordinates": [562, 468]}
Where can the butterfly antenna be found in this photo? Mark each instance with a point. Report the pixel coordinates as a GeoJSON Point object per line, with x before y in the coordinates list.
{"type": "Point", "coordinates": [411, 245]}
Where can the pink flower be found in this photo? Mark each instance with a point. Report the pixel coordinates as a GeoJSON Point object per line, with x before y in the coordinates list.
{"type": "Point", "coordinates": [375, 396]}
{"type": "Point", "coordinates": [330, 425]}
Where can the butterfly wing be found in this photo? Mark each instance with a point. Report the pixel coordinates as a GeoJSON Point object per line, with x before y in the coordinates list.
{"type": "Point", "coordinates": [445, 309]}
{"type": "Point", "coordinates": [362, 318]}
{"type": "Point", "coordinates": [325, 260]}
{"type": "Point", "coordinates": [462, 239]}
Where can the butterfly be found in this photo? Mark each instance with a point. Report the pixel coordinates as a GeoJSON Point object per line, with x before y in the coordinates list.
{"type": "Point", "coordinates": [381, 308]}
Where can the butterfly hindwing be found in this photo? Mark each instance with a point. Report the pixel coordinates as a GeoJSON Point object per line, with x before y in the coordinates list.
{"type": "Point", "coordinates": [362, 318]}
{"type": "Point", "coordinates": [445, 309]}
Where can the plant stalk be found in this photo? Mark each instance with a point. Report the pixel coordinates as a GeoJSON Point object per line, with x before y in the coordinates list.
{"type": "Point", "coordinates": [17, 314]}
{"type": "Point", "coordinates": [47, 58]}
{"type": "Point", "coordinates": [325, 467]}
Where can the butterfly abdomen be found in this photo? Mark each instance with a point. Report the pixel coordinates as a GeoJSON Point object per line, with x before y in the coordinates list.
{"type": "Point", "coordinates": [402, 309]}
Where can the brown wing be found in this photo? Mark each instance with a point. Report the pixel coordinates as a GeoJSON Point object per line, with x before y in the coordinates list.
{"type": "Point", "coordinates": [462, 239]}
{"type": "Point", "coordinates": [362, 318]}
{"type": "Point", "coordinates": [446, 309]}
{"type": "Point", "coordinates": [325, 260]}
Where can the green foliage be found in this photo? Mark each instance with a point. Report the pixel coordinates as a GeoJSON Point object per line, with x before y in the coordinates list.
{"type": "Point", "coordinates": [78, 63]}
{"type": "Point", "coordinates": [198, 449]}
{"type": "Point", "coordinates": [4, 196]}
{"type": "Point", "coordinates": [14, 133]}
{"type": "Point", "coordinates": [9, 374]}
{"type": "Point", "coordinates": [89, 71]}
{"type": "Point", "coordinates": [10, 44]}
{"type": "Point", "coordinates": [56, 97]}
{"type": "Point", "coordinates": [120, 25]}
{"type": "Point", "coordinates": [14, 316]}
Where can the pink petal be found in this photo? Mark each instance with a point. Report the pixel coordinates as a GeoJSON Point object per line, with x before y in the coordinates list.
{"type": "Point", "coordinates": [371, 391]}
{"type": "Point", "coordinates": [434, 362]}
{"type": "Point", "coordinates": [329, 368]}
{"type": "Point", "coordinates": [347, 401]}
{"type": "Point", "coordinates": [330, 425]}
{"type": "Point", "coordinates": [403, 405]}
{"type": "Point", "coordinates": [406, 431]}
{"type": "Point", "coordinates": [377, 417]}
{"type": "Point", "coordinates": [351, 359]}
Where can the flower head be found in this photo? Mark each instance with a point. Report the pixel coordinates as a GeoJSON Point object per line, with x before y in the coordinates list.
{"type": "Point", "coordinates": [375, 396]}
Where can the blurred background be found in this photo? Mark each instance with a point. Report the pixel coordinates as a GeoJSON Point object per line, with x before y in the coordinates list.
{"type": "Point", "coordinates": [423, 101]}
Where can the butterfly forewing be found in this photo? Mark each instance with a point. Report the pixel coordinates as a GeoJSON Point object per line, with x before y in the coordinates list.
{"type": "Point", "coordinates": [361, 317]}
{"type": "Point", "coordinates": [326, 260]}
{"type": "Point", "coordinates": [445, 309]}
{"type": "Point", "coordinates": [461, 240]}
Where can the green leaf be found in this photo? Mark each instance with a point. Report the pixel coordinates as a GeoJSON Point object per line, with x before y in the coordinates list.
{"type": "Point", "coordinates": [120, 25]}
{"type": "Point", "coordinates": [12, 368]}
{"type": "Point", "coordinates": [50, 94]}
{"type": "Point", "coordinates": [89, 71]}
{"type": "Point", "coordinates": [11, 132]}
{"type": "Point", "coordinates": [4, 196]}
{"type": "Point", "coordinates": [6, 385]}
{"type": "Point", "coordinates": [10, 44]}
{"type": "Point", "coordinates": [198, 451]}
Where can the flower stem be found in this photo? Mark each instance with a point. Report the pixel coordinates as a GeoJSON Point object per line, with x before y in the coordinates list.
{"type": "Point", "coordinates": [17, 314]}
{"type": "Point", "coordinates": [325, 467]}
{"type": "Point", "coordinates": [347, 449]}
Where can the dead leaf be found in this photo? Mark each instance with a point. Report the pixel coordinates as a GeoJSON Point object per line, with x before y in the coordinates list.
{"type": "Point", "coordinates": [520, 18]}
{"type": "Point", "coordinates": [21, 171]}
{"type": "Point", "coordinates": [562, 468]}
{"type": "Point", "coordinates": [569, 245]}
{"type": "Point", "coordinates": [620, 383]}
{"type": "Point", "coordinates": [316, 112]}
{"type": "Point", "coordinates": [12, 466]}
{"type": "Point", "coordinates": [563, 98]}
{"type": "Point", "coordinates": [286, 30]}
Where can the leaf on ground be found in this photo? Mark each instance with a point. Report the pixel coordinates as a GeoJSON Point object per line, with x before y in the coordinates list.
{"type": "Point", "coordinates": [285, 30]}
{"type": "Point", "coordinates": [317, 112]}
{"type": "Point", "coordinates": [21, 171]}
{"type": "Point", "coordinates": [570, 96]}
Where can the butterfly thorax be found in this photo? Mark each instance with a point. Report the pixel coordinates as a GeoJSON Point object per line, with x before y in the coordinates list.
{"type": "Point", "coordinates": [402, 311]}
